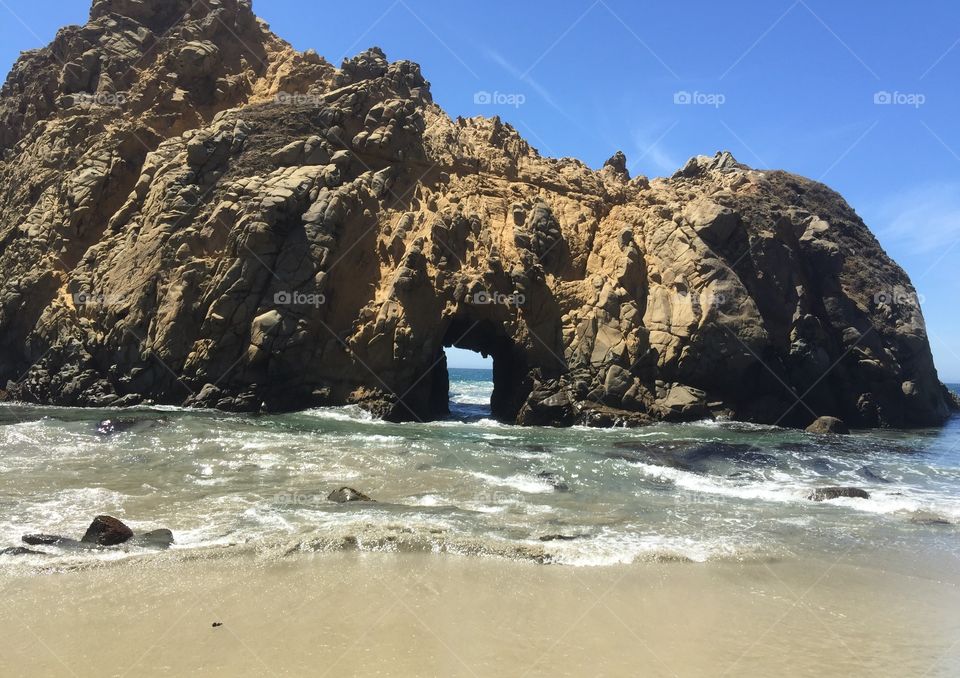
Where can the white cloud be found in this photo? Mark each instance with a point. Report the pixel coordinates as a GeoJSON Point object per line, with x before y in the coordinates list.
{"type": "Point", "coordinates": [525, 78]}
{"type": "Point", "coordinates": [540, 90]}
{"type": "Point", "coordinates": [651, 152]}
{"type": "Point", "coordinates": [921, 220]}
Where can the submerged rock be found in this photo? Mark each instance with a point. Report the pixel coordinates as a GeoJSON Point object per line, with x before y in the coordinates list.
{"type": "Point", "coordinates": [159, 539]}
{"type": "Point", "coordinates": [110, 426]}
{"type": "Point", "coordinates": [61, 542]}
{"type": "Point", "coordinates": [554, 480]}
{"type": "Point", "coordinates": [929, 518]}
{"type": "Point", "coordinates": [871, 475]}
{"type": "Point", "coordinates": [828, 425]}
{"type": "Point", "coordinates": [19, 551]}
{"type": "Point", "coordinates": [701, 456]}
{"type": "Point", "coordinates": [42, 539]}
{"type": "Point", "coordinates": [690, 455]}
{"type": "Point", "coordinates": [562, 537]}
{"type": "Point", "coordinates": [347, 494]}
{"type": "Point", "coordinates": [823, 466]}
{"type": "Point", "coordinates": [828, 493]}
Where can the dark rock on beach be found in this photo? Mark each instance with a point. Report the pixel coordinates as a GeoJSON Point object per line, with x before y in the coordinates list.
{"type": "Point", "coordinates": [106, 531]}
{"type": "Point", "coordinates": [347, 494]}
{"type": "Point", "coordinates": [828, 493]}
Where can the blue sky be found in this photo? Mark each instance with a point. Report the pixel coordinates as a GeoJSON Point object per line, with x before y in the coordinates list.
{"type": "Point", "coordinates": [789, 84]}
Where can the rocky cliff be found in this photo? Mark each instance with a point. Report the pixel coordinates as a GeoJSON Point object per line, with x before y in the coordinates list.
{"type": "Point", "coordinates": [195, 213]}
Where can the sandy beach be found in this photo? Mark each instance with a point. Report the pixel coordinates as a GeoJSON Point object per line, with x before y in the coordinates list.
{"type": "Point", "coordinates": [389, 614]}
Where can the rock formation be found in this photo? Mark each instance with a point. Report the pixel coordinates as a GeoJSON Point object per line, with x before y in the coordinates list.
{"type": "Point", "coordinates": [195, 213]}
{"type": "Point", "coordinates": [828, 425]}
{"type": "Point", "coordinates": [106, 531]}
{"type": "Point", "coordinates": [103, 531]}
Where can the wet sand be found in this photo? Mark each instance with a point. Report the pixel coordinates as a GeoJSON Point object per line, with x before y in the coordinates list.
{"type": "Point", "coordinates": [403, 614]}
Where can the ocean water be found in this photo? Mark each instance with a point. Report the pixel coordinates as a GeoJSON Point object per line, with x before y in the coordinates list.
{"type": "Point", "coordinates": [469, 485]}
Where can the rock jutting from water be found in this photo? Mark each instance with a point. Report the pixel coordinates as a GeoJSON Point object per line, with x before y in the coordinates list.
{"type": "Point", "coordinates": [828, 493]}
{"type": "Point", "coordinates": [345, 495]}
{"type": "Point", "coordinates": [196, 213]}
{"type": "Point", "coordinates": [104, 531]}
{"type": "Point", "coordinates": [828, 425]}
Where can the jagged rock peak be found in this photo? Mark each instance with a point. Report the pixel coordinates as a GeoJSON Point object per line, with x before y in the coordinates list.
{"type": "Point", "coordinates": [159, 15]}
{"type": "Point", "coordinates": [618, 165]}
{"type": "Point", "coordinates": [701, 164]}
{"type": "Point", "coordinates": [372, 63]}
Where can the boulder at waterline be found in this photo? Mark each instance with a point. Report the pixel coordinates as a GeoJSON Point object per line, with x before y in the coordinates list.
{"type": "Point", "coordinates": [106, 531]}
{"type": "Point", "coordinates": [828, 425]}
{"type": "Point", "coordinates": [347, 494]}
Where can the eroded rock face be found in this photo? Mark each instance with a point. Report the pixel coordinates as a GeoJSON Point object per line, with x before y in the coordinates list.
{"type": "Point", "coordinates": [193, 218]}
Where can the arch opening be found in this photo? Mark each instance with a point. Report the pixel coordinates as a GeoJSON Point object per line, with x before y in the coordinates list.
{"type": "Point", "coordinates": [470, 376]}
{"type": "Point", "coordinates": [504, 370]}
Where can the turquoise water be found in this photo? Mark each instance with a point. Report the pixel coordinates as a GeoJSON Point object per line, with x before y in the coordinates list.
{"type": "Point", "coordinates": [470, 391]}
{"type": "Point", "coordinates": [470, 485]}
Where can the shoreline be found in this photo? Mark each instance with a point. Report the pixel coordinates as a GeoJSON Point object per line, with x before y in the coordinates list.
{"type": "Point", "coordinates": [629, 419]}
{"type": "Point", "coordinates": [420, 614]}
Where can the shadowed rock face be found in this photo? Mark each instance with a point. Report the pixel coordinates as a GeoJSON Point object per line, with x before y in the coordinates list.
{"type": "Point", "coordinates": [193, 212]}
